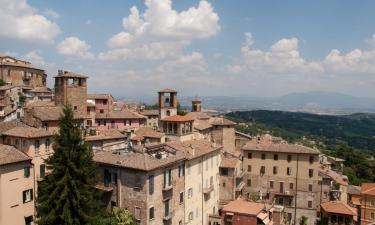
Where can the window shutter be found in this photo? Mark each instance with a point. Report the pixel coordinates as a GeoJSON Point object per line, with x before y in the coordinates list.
{"type": "Point", "coordinates": [24, 196]}
{"type": "Point", "coordinates": [31, 194]}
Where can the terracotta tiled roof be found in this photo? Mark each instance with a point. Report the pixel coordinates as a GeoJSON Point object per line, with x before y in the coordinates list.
{"type": "Point", "coordinates": [40, 90]}
{"type": "Point", "coordinates": [9, 154]}
{"type": "Point", "coordinates": [28, 132]}
{"type": "Point", "coordinates": [277, 146]}
{"type": "Point", "coordinates": [148, 132]}
{"type": "Point", "coordinates": [69, 74]}
{"type": "Point", "coordinates": [51, 113]}
{"type": "Point", "coordinates": [167, 90]}
{"type": "Point", "coordinates": [99, 96]}
{"type": "Point", "coordinates": [5, 126]}
{"type": "Point", "coordinates": [40, 104]}
{"type": "Point", "coordinates": [177, 118]}
{"type": "Point", "coordinates": [106, 135]}
{"type": "Point", "coordinates": [6, 87]}
{"type": "Point", "coordinates": [229, 162]}
{"type": "Point", "coordinates": [198, 115]}
{"type": "Point", "coordinates": [150, 112]}
{"type": "Point", "coordinates": [338, 178]}
{"type": "Point", "coordinates": [18, 63]}
{"type": "Point", "coordinates": [202, 125]}
{"type": "Point", "coordinates": [339, 207]}
{"type": "Point", "coordinates": [194, 148]}
{"type": "Point", "coordinates": [137, 160]}
{"type": "Point", "coordinates": [123, 114]}
{"type": "Point", "coordinates": [242, 206]}
{"type": "Point", "coordinates": [221, 121]}
{"type": "Point", "coordinates": [354, 190]}
{"type": "Point", "coordinates": [368, 188]}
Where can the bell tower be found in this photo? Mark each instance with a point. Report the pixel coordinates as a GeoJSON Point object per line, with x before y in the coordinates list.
{"type": "Point", "coordinates": [167, 103]}
{"type": "Point", "coordinates": [196, 105]}
{"type": "Point", "coordinates": [71, 89]}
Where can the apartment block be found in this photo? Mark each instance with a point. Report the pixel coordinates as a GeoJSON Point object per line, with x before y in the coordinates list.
{"type": "Point", "coordinates": [367, 203]}
{"type": "Point", "coordinates": [284, 174]}
{"type": "Point", "coordinates": [16, 187]}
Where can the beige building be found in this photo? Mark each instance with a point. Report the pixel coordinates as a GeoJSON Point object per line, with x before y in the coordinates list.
{"type": "Point", "coordinates": [149, 182]}
{"type": "Point", "coordinates": [37, 143]}
{"type": "Point", "coordinates": [201, 179]}
{"type": "Point", "coordinates": [10, 104]}
{"type": "Point", "coordinates": [16, 187]}
{"type": "Point", "coordinates": [152, 117]}
{"type": "Point", "coordinates": [283, 174]}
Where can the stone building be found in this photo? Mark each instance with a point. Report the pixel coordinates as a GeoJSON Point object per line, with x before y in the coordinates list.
{"type": "Point", "coordinates": [16, 187]}
{"type": "Point", "coordinates": [108, 140]}
{"type": "Point", "coordinates": [152, 117]}
{"type": "Point", "coordinates": [21, 73]}
{"type": "Point", "coordinates": [38, 94]}
{"type": "Point", "coordinates": [367, 203]}
{"type": "Point", "coordinates": [103, 102]}
{"type": "Point", "coordinates": [286, 174]}
{"type": "Point", "coordinates": [71, 89]}
{"type": "Point", "coordinates": [124, 120]}
{"type": "Point", "coordinates": [10, 104]}
{"type": "Point", "coordinates": [147, 135]}
{"type": "Point", "coordinates": [201, 179]}
{"type": "Point", "coordinates": [231, 177]}
{"type": "Point", "coordinates": [149, 182]}
{"type": "Point", "coordinates": [177, 127]}
{"type": "Point", "coordinates": [196, 105]}
{"type": "Point", "coordinates": [167, 103]}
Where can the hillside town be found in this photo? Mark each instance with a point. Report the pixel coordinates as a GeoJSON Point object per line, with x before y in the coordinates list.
{"type": "Point", "coordinates": [163, 165]}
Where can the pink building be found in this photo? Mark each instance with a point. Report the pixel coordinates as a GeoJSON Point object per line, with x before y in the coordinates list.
{"type": "Point", "coordinates": [124, 120]}
{"type": "Point", "coordinates": [103, 102]}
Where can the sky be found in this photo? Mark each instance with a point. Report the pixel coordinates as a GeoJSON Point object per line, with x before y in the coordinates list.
{"type": "Point", "coordinates": [200, 48]}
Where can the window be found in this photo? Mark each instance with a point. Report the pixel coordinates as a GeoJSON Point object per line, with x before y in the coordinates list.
{"type": "Point", "coordinates": [223, 184]}
{"type": "Point", "coordinates": [263, 156]}
{"type": "Point", "coordinates": [152, 213]}
{"type": "Point", "coordinates": [289, 171]}
{"type": "Point", "coordinates": [113, 124]}
{"type": "Point", "coordinates": [101, 111]}
{"type": "Point", "coordinates": [151, 180]}
{"type": "Point", "coordinates": [224, 171]}
{"type": "Point", "coordinates": [249, 155]}
{"type": "Point", "coordinates": [137, 213]}
{"type": "Point", "coordinates": [311, 159]}
{"type": "Point", "coordinates": [262, 170]}
{"type": "Point", "coordinates": [191, 216]}
{"type": "Point", "coordinates": [105, 102]}
{"type": "Point", "coordinates": [275, 170]}
{"type": "Point", "coordinates": [372, 203]}
{"type": "Point", "coordinates": [291, 186]}
{"type": "Point", "coordinates": [372, 215]}
{"type": "Point", "coordinates": [181, 197]}
{"type": "Point", "coordinates": [310, 187]}
{"type": "Point", "coordinates": [36, 146]}
{"type": "Point", "coordinates": [42, 171]}
{"type": "Point", "coordinates": [27, 195]}
{"type": "Point", "coordinates": [75, 108]}
{"type": "Point", "coordinates": [47, 145]}
{"type": "Point", "coordinates": [271, 184]}
{"type": "Point", "coordinates": [166, 208]}
{"type": "Point", "coordinates": [309, 204]}
{"type": "Point", "coordinates": [28, 220]}
{"type": "Point", "coordinates": [181, 170]}
{"type": "Point", "coordinates": [275, 157]}
{"type": "Point", "coordinates": [311, 172]}
{"type": "Point", "coordinates": [26, 171]}
{"type": "Point", "coordinates": [289, 158]}
{"type": "Point", "coordinates": [190, 193]}
{"type": "Point", "coordinates": [167, 178]}
{"type": "Point", "coordinates": [249, 182]}
{"type": "Point", "coordinates": [249, 168]}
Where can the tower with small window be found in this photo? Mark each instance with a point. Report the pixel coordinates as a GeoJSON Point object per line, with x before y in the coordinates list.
{"type": "Point", "coordinates": [196, 105]}
{"type": "Point", "coordinates": [71, 89]}
{"type": "Point", "coordinates": [167, 103]}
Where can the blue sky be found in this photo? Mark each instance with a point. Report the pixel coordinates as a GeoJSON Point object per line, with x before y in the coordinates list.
{"type": "Point", "coordinates": [237, 48]}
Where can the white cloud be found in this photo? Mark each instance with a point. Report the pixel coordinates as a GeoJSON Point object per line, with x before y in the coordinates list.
{"type": "Point", "coordinates": [88, 22]}
{"type": "Point", "coordinates": [35, 58]}
{"type": "Point", "coordinates": [161, 31]}
{"type": "Point", "coordinates": [283, 57]}
{"type": "Point", "coordinates": [51, 14]}
{"type": "Point", "coordinates": [75, 47]}
{"type": "Point", "coordinates": [20, 21]}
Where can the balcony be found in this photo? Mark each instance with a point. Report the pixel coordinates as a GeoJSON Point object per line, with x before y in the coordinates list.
{"type": "Point", "coordinates": [208, 190]}
{"type": "Point", "coordinates": [168, 216]}
{"type": "Point", "coordinates": [104, 187]}
{"type": "Point", "coordinates": [167, 188]}
{"type": "Point", "coordinates": [240, 174]}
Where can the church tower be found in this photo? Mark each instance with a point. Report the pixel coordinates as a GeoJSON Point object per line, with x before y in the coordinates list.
{"type": "Point", "coordinates": [167, 103]}
{"type": "Point", "coordinates": [196, 105]}
{"type": "Point", "coordinates": [71, 89]}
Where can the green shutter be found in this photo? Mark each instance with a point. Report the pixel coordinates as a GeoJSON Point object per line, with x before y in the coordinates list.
{"type": "Point", "coordinates": [24, 196]}
{"type": "Point", "coordinates": [31, 194]}
{"type": "Point", "coordinates": [26, 171]}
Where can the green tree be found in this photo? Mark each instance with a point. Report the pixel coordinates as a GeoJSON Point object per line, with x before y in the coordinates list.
{"type": "Point", "coordinates": [303, 220]}
{"type": "Point", "coordinates": [123, 217]}
{"type": "Point", "coordinates": [67, 195]}
{"type": "Point", "coordinates": [2, 82]}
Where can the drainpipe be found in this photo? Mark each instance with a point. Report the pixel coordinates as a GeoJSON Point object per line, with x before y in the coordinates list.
{"type": "Point", "coordinates": [295, 196]}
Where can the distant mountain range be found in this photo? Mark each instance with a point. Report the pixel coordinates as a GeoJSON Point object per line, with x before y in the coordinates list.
{"type": "Point", "coordinates": [312, 102]}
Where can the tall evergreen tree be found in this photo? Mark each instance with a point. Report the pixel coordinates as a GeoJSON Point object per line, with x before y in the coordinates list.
{"type": "Point", "coordinates": [67, 195]}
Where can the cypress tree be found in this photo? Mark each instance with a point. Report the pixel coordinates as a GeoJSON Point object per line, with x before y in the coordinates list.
{"type": "Point", "coordinates": [67, 195]}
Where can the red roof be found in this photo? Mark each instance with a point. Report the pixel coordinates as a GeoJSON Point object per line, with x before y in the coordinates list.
{"type": "Point", "coordinates": [177, 118]}
{"type": "Point", "coordinates": [242, 206]}
{"type": "Point", "coordinates": [338, 207]}
{"type": "Point", "coordinates": [368, 188]}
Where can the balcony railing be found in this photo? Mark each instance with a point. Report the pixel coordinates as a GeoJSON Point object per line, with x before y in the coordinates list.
{"type": "Point", "coordinates": [240, 186]}
{"type": "Point", "coordinates": [208, 190]}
